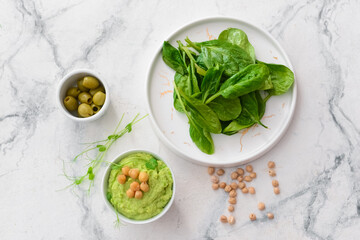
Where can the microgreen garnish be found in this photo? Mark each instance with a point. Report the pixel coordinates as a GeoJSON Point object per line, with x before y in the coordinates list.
{"type": "Point", "coordinates": [94, 164]}
{"type": "Point", "coordinates": [151, 164]}
{"type": "Point", "coordinates": [101, 148]}
{"type": "Point", "coordinates": [108, 196]}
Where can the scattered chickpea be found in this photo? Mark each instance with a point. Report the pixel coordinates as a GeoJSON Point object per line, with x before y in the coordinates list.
{"type": "Point", "coordinates": [138, 194]}
{"type": "Point", "coordinates": [234, 185]}
{"type": "Point", "coordinates": [232, 200]}
{"type": "Point", "coordinates": [231, 220]}
{"type": "Point", "coordinates": [275, 183]}
{"type": "Point", "coordinates": [232, 193]}
{"type": "Point", "coordinates": [215, 186]}
{"type": "Point", "coordinates": [214, 179]}
{"type": "Point", "coordinates": [251, 190]}
{"type": "Point", "coordinates": [272, 173]}
{"type": "Point", "coordinates": [143, 176]}
{"type": "Point", "coordinates": [253, 175]}
{"type": "Point", "coordinates": [230, 208]}
{"type": "Point", "coordinates": [135, 186]}
{"type": "Point", "coordinates": [241, 185]}
{"type": "Point", "coordinates": [222, 185]}
{"type": "Point", "coordinates": [240, 178]}
{"type": "Point", "coordinates": [247, 178]}
{"type": "Point", "coordinates": [245, 190]}
{"type": "Point", "coordinates": [220, 172]}
{"type": "Point", "coordinates": [144, 187]}
{"type": "Point", "coordinates": [228, 188]}
{"type": "Point", "coordinates": [134, 173]}
{"type": "Point", "coordinates": [234, 175]}
{"type": "Point", "coordinates": [125, 170]}
{"type": "Point", "coordinates": [240, 171]}
{"type": "Point", "coordinates": [211, 170]}
{"type": "Point", "coordinates": [271, 164]}
{"type": "Point", "coordinates": [276, 190]}
{"type": "Point", "coordinates": [261, 206]}
{"type": "Point", "coordinates": [130, 193]}
{"type": "Point", "coordinates": [249, 168]}
{"type": "Point", "coordinates": [252, 217]}
{"type": "Point", "coordinates": [121, 178]}
{"type": "Point", "coordinates": [270, 215]}
{"type": "Point", "coordinates": [223, 219]}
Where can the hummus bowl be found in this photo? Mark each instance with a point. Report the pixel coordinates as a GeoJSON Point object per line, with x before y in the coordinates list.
{"type": "Point", "coordinates": [153, 202]}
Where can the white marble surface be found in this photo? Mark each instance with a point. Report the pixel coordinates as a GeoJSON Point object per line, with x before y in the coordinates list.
{"type": "Point", "coordinates": [318, 159]}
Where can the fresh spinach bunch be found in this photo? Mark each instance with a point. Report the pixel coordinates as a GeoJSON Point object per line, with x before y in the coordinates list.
{"type": "Point", "coordinates": [221, 86]}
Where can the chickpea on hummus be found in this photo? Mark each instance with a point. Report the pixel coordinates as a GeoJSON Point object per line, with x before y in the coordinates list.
{"type": "Point", "coordinates": [153, 200]}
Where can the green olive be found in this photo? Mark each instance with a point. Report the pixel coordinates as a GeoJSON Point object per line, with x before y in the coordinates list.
{"type": "Point", "coordinates": [90, 82]}
{"type": "Point", "coordinates": [95, 108]}
{"type": "Point", "coordinates": [73, 91]}
{"type": "Point", "coordinates": [85, 97]}
{"type": "Point", "coordinates": [85, 110]}
{"type": "Point", "coordinates": [99, 98]}
{"type": "Point", "coordinates": [80, 84]}
{"type": "Point", "coordinates": [98, 89]}
{"type": "Point", "coordinates": [70, 103]}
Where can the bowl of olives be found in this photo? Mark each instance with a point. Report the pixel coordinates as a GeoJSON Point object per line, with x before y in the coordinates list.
{"type": "Point", "coordinates": [83, 96]}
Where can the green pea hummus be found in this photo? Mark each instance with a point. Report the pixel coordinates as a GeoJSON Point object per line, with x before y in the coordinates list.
{"type": "Point", "coordinates": [153, 202]}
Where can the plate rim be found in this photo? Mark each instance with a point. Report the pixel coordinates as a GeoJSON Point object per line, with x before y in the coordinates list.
{"type": "Point", "coordinates": [268, 146]}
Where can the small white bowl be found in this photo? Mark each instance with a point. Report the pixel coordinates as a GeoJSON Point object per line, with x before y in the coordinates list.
{"type": "Point", "coordinates": [105, 187]}
{"type": "Point", "coordinates": [69, 80]}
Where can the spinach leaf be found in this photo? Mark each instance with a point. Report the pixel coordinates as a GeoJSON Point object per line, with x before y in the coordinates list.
{"type": "Point", "coordinates": [200, 62]}
{"type": "Point", "coordinates": [192, 78]}
{"type": "Point", "coordinates": [238, 37]}
{"type": "Point", "coordinates": [250, 106]}
{"type": "Point", "coordinates": [187, 83]}
{"type": "Point", "coordinates": [173, 58]}
{"type": "Point", "coordinates": [282, 78]}
{"type": "Point", "coordinates": [242, 122]}
{"type": "Point", "coordinates": [231, 56]}
{"type": "Point", "coordinates": [181, 82]}
{"type": "Point", "coordinates": [202, 113]}
{"type": "Point", "coordinates": [261, 104]}
{"type": "Point", "coordinates": [245, 119]}
{"type": "Point", "coordinates": [267, 84]}
{"type": "Point", "coordinates": [235, 127]}
{"type": "Point", "coordinates": [211, 82]}
{"type": "Point", "coordinates": [226, 109]}
{"type": "Point", "coordinates": [201, 137]}
{"type": "Point", "coordinates": [248, 80]}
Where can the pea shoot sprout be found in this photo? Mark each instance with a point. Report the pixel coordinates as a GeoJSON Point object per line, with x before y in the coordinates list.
{"type": "Point", "coordinates": [101, 147]}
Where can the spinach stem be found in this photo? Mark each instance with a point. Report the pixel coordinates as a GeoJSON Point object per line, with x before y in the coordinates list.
{"type": "Point", "coordinates": [259, 122]}
{"type": "Point", "coordinates": [199, 70]}
{"type": "Point", "coordinates": [212, 97]}
{"type": "Point", "coordinates": [193, 45]}
{"type": "Point", "coordinates": [267, 97]}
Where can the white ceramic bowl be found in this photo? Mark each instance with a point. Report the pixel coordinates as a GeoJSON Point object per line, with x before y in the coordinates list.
{"type": "Point", "coordinates": [172, 127]}
{"type": "Point", "coordinates": [105, 187]}
{"type": "Point", "coordinates": [69, 80]}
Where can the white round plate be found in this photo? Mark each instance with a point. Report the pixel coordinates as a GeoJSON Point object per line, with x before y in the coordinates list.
{"type": "Point", "coordinates": [172, 127]}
